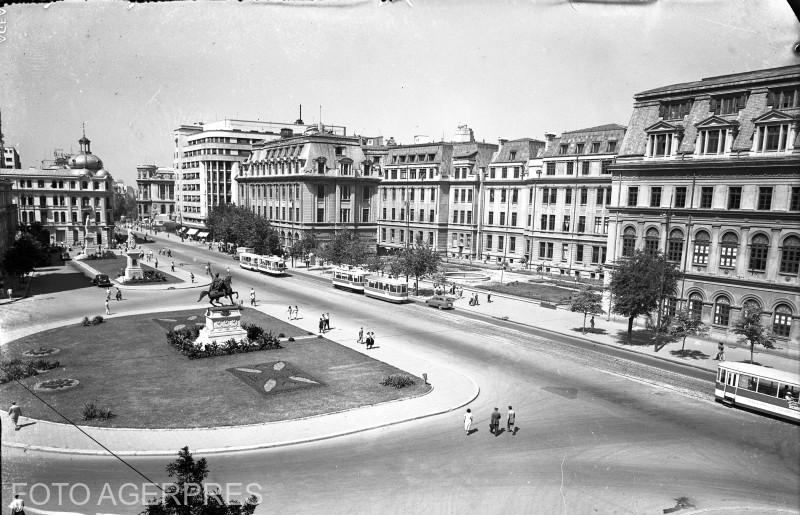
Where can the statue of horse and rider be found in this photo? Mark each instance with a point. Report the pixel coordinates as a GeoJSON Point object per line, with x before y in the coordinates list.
{"type": "Point", "coordinates": [220, 288]}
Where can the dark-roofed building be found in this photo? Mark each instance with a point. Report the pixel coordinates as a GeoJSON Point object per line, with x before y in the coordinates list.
{"type": "Point", "coordinates": [504, 202]}
{"type": "Point", "coordinates": [570, 191]}
{"type": "Point", "coordinates": [708, 174]}
{"type": "Point", "coordinates": [316, 182]}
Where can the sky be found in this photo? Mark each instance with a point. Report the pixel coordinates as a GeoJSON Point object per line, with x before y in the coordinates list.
{"type": "Point", "coordinates": [507, 68]}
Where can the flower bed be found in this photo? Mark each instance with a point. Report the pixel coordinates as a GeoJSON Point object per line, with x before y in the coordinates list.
{"type": "Point", "coordinates": [16, 369]}
{"type": "Point", "coordinates": [184, 339]}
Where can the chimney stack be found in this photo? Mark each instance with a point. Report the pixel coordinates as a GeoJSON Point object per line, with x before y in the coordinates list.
{"type": "Point", "coordinates": [549, 137]}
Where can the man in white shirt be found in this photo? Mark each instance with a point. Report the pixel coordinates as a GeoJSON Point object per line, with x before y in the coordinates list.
{"type": "Point", "coordinates": [17, 506]}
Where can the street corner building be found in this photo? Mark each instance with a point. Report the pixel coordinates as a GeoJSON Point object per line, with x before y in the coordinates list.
{"type": "Point", "coordinates": [708, 174]}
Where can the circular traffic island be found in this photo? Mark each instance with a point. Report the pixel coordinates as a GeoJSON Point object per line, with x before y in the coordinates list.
{"type": "Point", "coordinates": [127, 366]}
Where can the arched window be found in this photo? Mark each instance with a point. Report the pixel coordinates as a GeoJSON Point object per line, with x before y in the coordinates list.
{"type": "Point", "coordinates": [722, 311]}
{"type": "Point", "coordinates": [701, 243]}
{"type": "Point", "coordinates": [696, 305]}
{"type": "Point", "coordinates": [24, 217]}
{"type": "Point", "coordinates": [751, 306]}
{"type": "Point", "coordinates": [675, 246]}
{"type": "Point", "coordinates": [628, 241]}
{"type": "Point", "coordinates": [782, 321]}
{"type": "Point", "coordinates": [790, 255]}
{"type": "Point", "coordinates": [759, 249]}
{"type": "Point", "coordinates": [651, 241]}
{"type": "Point", "coordinates": [729, 248]}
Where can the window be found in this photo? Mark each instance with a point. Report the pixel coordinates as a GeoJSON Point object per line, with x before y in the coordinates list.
{"type": "Point", "coordinates": [383, 234]}
{"type": "Point", "coordinates": [502, 218]}
{"type": "Point", "coordinates": [512, 244]}
{"type": "Point", "coordinates": [734, 197]}
{"type": "Point", "coordinates": [794, 202]}
{"type": "Point", "coordinates": [503, 173]}
{"type": "Point", "coordinates": [706, 197]}
{"type": "Point", "coordinates": [790, 255]}
{"type": "Point", "coordinates": [680, 196]}
{"type": "Point", "coordinates": [364, 214]}
{"type": "Point", "coordinates": [759, 250]}
{"type": "Point", "coordinates": [696, 305]}
{"type": "Point", "coordinates": [564, 251]}
{"type": "Point", "coordinates": [513, 219]}
{"type": "Point", "coordinates": [488, 241]}
{"type": "Point", "coordinates": [729, 104]}
{"type": "Point", "coordinates": [469, 195]}
{"type": "Point", "coordinates": [782, 321]}
{"type": "Point", "coordinates": [585, 166]}
{"type": "Point", "coordinates": [675, 110]}
{"type": "Point", "coordinates": [784, 99]}
{"type": "Point", "coordinates": [432, 215]}
{"type": "Point", "coordinates": [491, 218]}
{"type": "Point", "coordinates": [765, 198]}
{"type": "Point", "coordinates": [579, 253]}
{"type": "Point", "coordinates": [729, 248]}
{"type": "Point", "coordinates": [551, 169]}
{"type": "Point", "coordinates": [597, 224]}
{"type": "Point", "coordinates": [701, 244]}
{"type": "Point", "coordinates": [599, 200]}
{"type": "Point", "coordinates": [544, 223]}
{"type": "Point", "coordinates": [584, 196]}
{"type": "Point", "coordinates": [651, 241]}
{"type": "Point", "coordinates": [611, 147]}
{"type": "Point", "coordinates": [712, 141]}
{"type": "Point", "coordinates": [545, 250]}
{"type": "Point", "coordinates": [595, 254]}
{"type": "Point", "coordinates": [660, 143]}
{"type": "Point", "coordinates": [491, 195]}
{"type": "Point", "coordinates": [551, 222]}
{"type": "Point", "coordinates": [628, 241]}
{"type": "Point", "coordinates": [570, 167]}
{"type": "Point", "coordinates": [567, 220]}
{"type": "Point", "coordinates": [579, 148]}
{"type": "Point", "coordinates": [568, 196]}
{"type": "Point", "coordinates": [514, 196]}
{"type": "Point", "coordinates": [722, 311]}
{"type": "Point", "coordinates": [675, 246]}
{"type": "Point", "coordinates": [553, 195]}
{"type": "Point", "coordinates": [502, 195]}
{"type": "Point", "coordinates": [655, 196]}
{"type": "Point", "coordinates": [604, 166]}
{"type": "Point", "coordinates": [633, 196]}
{"type": "Point", "coordinates": [562, 149]}
{"type": "Point", "coordinates": [581, 224]}
{"type": "Point", "coordinates": [393, 213]}
{"type": "Point", "coordinates": [595, 147]}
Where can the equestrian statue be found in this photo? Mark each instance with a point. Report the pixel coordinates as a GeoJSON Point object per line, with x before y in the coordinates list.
{"type": "Point", "coordinates": [219, 288]}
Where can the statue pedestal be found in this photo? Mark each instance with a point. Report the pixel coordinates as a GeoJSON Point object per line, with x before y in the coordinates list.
{"type": "Point", "coordinates": [222, 324]}
{"type": "Point", "coordinates": [133, 270]}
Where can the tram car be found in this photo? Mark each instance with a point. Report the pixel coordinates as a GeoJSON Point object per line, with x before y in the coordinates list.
{"type": "Point", "coordinates": [349, 279]}
{"type": "Point", "coordinates": [249, 261]}
{"type": "Point", "coordinates": [272, 265]}
{"type": "Point", "coordinates": [758, 388]}
{"type": "Point", "coordinates": [386, 288]}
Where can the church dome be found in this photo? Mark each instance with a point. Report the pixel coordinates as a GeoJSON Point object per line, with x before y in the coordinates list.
{"type": "Point", "coordinates": [101, 174]}
{"type": "Point", "coordinates": [87, 161]}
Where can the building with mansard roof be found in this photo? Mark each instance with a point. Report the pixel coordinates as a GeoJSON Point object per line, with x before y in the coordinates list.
{"type": "Point", "coordinates": [155, 194]}
{"type": "Point", "coordinates": [708, 174]}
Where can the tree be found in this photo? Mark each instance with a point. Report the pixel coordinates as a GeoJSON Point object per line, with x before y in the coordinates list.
{"type": "Point", "coordinates": [752, 331]}
{"type": "Point", "coordinates": [640, 282]}
{"type": "Point", "coordinates": [345, 248]}
{"type": "Point", "coordinates": [188, 496]}
{"type": "Point", "coordinates": [124, 205]}
{"type": "Point", "coordinates": [686, 323]}
{"type": "Point", "coordinates": [588, 302]}
{"type": "Point", "coordinates": [419, 261]}
{"type": "Point", "coordinates": [25, 254]}
{"type": "Point", "coordinates": [243, 228]}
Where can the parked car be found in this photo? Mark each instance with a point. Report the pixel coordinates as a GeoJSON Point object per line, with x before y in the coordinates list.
{"type": "Point", "coordinates": [440, 302]}
{"type": "Point", "coordinates": [101, 280]}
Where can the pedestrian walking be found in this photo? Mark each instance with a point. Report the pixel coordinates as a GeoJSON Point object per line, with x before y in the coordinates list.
{"type": "Point", "coordinates": [296, 312]}
{"type": "Point", "coordinates": [327, 317]}
{"type": "Point", "coordinates": [252, 297]}
{"type": "Point", "coordinates": [468, 422]}
{"type": "Point", "coordinates": [591, 323]}
{"type": "Point", "coordinates": [15, 412]}
{"type": "Point", "coordinates": [290, 311]}
{"type": "Point", "coordinates": [156, 262]}
{"type": "Point", "coordinates": [169, 251]}
{"type": "Point", "coordinates": [17, 506]}
{"type": "Point", "coordinates": [191, 276]}
{"type": "Point", "coordinates": [360, 336]}
{"type": "Point", "coordinates": [108, 308]}
{"type": "Point", "coordinates": [227, 270]}
{"type": "Point", "coordinates": [370, 341]}
{"type": "Point", "coordinates": [119, 294]}
{"type": "Point", "coordinates": [208, 270]}
{"type": "Point", "coordinates": [494, 423]}
{"type": "Point", "coordinates": [108, 293]}
{"type": "Point", "coordinates": [720, 352]}
{"type": "Point", "coordinates": [172, 266]}
{"type": "Point", "coordinates": [488, 297]}
{"type": "Point", "coordinates": [321, 325]}
{"type": "Point", "coordinates": [511, 420]}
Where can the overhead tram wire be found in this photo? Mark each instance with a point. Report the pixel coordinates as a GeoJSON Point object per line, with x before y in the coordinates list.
{"type": "Point", "coordinates": [112, 453]}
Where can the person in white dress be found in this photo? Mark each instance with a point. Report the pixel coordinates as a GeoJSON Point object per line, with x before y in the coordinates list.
{"type": "Point", "coordinates": [467, 421]}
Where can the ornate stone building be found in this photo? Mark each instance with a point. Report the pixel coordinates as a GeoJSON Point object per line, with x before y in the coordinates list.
{"type": "Point", "coordinates": [155, 193]}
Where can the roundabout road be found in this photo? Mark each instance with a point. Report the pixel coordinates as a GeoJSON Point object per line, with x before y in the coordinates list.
{"type": "Point", "coordinates": [598, 433]}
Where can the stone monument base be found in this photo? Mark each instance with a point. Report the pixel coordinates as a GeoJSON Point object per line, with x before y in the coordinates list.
{"type": "Point", "coordinates": [133, 270]}
{"type": "Point", "coordinates": [222, 324]}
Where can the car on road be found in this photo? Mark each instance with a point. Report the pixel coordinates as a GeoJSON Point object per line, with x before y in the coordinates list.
{"type": "Point", "coordinates": [440, 302]}
{"type": "Point", "coordinates": [101, 280]}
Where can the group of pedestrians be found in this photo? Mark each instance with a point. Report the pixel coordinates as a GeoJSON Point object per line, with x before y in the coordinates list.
{"type": "Point", "coordinates": [293, 312]}
{"type": "Point", "coordinates": [324, 323]}
{"type": "Point", "coordinates": [494, 422]}
{"type": "Point", "coordinates": [369, 340]}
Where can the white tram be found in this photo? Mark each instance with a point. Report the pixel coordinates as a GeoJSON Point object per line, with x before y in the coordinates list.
{"type": "Point", "coordinates": [386, 288]}
{"type": "Point", "coordinates": [272, 265]}
{"type": "Point", "coordinates": [759, 388]}
{"type": "Point", "coordinates": [349, 278]}
{"type": "Point", "coordinates": [248, 261]}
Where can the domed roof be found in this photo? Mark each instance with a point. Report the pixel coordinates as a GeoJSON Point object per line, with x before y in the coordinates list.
{"type": "Point", "coordinates": [101, 174]}
{"type": "Point", "coordinates": [87, 161]}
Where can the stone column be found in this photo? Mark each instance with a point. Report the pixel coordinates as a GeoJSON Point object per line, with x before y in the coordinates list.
{"type": "Point", "coordinates": [728, 141]}
{"type": "Point", "coordinates": [756, 134]}
{"type": "Point", "coordinates": [697, 146]}
{"type": "Point", "coordinates": [649, 152]}
{"type": "Point", "coordinates": [792, 136]}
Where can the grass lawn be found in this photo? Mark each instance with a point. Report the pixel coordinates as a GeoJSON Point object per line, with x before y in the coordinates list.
{"type": "Point", "coordinates": [111, 267]}
{"type": "Point", "coordinates": [126, 364]}
{"type": "Point", "coordinates": [532, 290]}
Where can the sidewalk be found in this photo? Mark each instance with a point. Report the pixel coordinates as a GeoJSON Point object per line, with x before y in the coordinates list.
{"type": "Point", "coordinates": [451, 390]}
{"type": "Point", "coordinates": [200, 278]}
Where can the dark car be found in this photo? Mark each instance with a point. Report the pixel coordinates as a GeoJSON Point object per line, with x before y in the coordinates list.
{"type": "Point", "coordinates": [440, 301]}
{"type": "Point", "coordinates": [101, 280]}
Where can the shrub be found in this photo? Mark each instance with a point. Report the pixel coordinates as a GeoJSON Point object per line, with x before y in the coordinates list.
{"type": "Point", "coordinates": [291, 338]}
{"type": "Point", "coordinates": [92, 411]}
{"type": "Point", "coordinates": [43, 364]}
{"type": "Point", "coordinates": [16, 369]}
{"type": "Point", "coordinates": [97, 320]}
{"type": "Point", "coordinates": [398, 380]}
{"type": "Point", "coordinates": [183, 340]}
{"type": "Point", "coordinates": [253, 331]}
{"type": "Point", "coordinates": [281, 335]}
{"type": "Point", "coordinates": [86, 322]}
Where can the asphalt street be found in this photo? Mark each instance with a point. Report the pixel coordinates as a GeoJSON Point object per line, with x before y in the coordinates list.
{"type": "Point", "coordinates": [598, 432]}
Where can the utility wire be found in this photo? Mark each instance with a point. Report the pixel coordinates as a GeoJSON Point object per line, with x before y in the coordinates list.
{"type": "Point", "coordinates": [88, 435]}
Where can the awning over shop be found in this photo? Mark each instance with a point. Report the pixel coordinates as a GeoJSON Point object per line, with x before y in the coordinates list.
{"type": "Point", "coordinates": [202, 234]}
{"type": "Point", "coordinates": [191, 232]}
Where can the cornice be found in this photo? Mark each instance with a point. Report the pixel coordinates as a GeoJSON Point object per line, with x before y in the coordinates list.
{"type": "Point", "coordinates": [714, 214]}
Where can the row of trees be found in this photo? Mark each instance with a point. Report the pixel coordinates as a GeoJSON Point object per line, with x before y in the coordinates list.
{"type": "Point", "coordinates": [30, 249]}
{"type": "Point", "coordinates": [243, 228]}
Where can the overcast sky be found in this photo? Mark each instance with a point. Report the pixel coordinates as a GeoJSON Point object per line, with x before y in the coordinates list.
{"type": "Point", "coordinates": [509, 69]}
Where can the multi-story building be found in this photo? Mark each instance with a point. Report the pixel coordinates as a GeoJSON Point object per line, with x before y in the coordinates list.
{"type": "Point", "coordinates": [708, 174]}
{"type": "Point", "coordinates": [568, 219]}
{"type": "Point", "coordinates": [74, 202]}
{"type": "Point", "coordinates": [8, 217]}
{"type": "Point", "coordinates": [318, 182]}
{"type": "Point", "coordinates": [415, 195]}
{"type": "Point", "coordinates": [155, 195]}
{"type": "Point", "coordinates": [204, 160]}
{"type": "Point", "coordinates": [503, 200]}
{"type": "Point", "coordinates": [11, 158]}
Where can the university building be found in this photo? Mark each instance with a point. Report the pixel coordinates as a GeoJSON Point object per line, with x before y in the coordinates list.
{"type": "Point", "coordinates": [318, 182]}
{"type": "Point", "coordinates": [155, 193]}
{"type": "Point", "coordinates": [708, 174]}
{"type": "Point", "coordinates": [67, 198]}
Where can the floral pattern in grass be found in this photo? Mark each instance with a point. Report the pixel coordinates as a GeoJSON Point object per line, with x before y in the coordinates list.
{"type": "Point", "coordinates": [56, 385]}
{"type": "Point", "coordinates": [275, 377]}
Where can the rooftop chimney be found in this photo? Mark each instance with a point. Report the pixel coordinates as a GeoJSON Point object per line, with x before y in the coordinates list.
{"type": "Point", "coordinates": [502, 141]}
{"type": "Point", "coordinates": [299, 120]}
{"type": "Point", "coordinates": [549, 137]}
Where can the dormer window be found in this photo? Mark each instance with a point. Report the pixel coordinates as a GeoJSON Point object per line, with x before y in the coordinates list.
{"type": "Point", "coordinates": [775, 132]}
{"type": "Point", "coordinates": [663, 139]}
{"type": "Point", "coordinates": [675, 110]}
{"type": "Point", "coordinates": [579, 148]}
{"type": "Point", "coordinates": [784, 98]}
{"type": "Point", "coordinates": [715, 136]}
{"type": "Point", "coordinates": [513, 155]}
{"type": "Point", "coordinates": [728, 104]}
{"type": "Point", "coordinates": [595, 147]}
{"type": "Point", "coordinates": [562, 149]}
